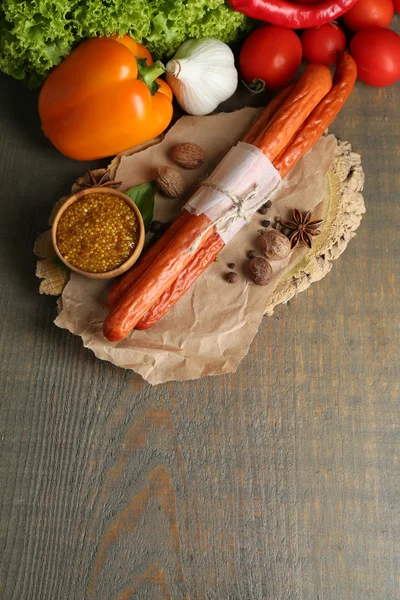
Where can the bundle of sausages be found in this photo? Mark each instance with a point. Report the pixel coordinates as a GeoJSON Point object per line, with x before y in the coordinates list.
{"type": "Point", "coordinates": [289, 126]}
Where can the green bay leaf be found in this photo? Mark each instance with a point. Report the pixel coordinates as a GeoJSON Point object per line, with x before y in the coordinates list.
{"type": "Point", "coordinates": [143, 196]}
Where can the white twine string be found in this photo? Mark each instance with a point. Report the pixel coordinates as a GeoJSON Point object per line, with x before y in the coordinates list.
{"type": "Point", "coordinates": [239, 210]}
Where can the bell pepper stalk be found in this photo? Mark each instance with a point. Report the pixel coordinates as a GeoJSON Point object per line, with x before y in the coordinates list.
{"type": "Point", "coordinates": [104, 98]}
{"type": "Point", "coordinates": [149, 73]}
{"type": "Point", "coordinates": [289, 14]}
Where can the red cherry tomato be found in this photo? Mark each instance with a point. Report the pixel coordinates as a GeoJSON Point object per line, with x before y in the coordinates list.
{"type": "Point", "coordinates": [377, 54]}
{"type": "Point", "coordinates": [396, 4]}
{"type": "Point", "coordinates": [270, 54]}
{"type": "Point", "coordinates": [369, 13]}
{"type": "Point", "coordinates": [320, 44]}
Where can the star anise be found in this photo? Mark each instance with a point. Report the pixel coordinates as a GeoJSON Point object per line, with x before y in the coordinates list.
{"type": "Point", "coordinates": [302, 228]}
{"type": "Point", "coordinates": [96, 178]}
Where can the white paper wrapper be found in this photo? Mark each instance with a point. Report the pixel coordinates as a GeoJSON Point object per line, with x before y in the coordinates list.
{"type": "Point", "coordinates": [246, 178]}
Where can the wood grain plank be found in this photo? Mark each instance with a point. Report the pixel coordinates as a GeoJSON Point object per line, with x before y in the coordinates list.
{"type": "Point", "coordinates": [279, 482]}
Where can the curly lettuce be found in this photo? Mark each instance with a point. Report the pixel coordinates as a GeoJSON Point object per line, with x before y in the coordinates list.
{"type": "Point", "coordinates": [35, 35]}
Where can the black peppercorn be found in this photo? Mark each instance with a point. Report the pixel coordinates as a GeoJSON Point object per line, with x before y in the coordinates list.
{"type": "Point", "coordinates": [157, 227]}
{"type": "Point", "coordinates": [252, 254]}
{"type": "Point", "coordinates": [268, 204]}
{"type": "Point", "coordinates": [265, 223]}
{"type": "Point", "coordinates": [263, 210]}
{"type": "Point", "coordinates": [232, 277]}
{"type": "Point", "coordinates": [231, 265]}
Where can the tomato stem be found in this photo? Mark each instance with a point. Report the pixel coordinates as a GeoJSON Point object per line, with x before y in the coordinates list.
{"type": "Point", "coordinates": [256, 86]}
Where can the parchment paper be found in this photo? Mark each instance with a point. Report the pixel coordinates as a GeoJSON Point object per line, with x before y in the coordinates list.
{"type": "Point", "coordinates": [210, 329]}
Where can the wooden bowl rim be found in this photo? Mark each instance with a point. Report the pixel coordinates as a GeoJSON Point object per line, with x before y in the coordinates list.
{"type": "Point", "coordinates": [133, 257]}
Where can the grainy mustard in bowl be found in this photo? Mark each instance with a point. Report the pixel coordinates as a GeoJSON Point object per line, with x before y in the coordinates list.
{"type": "Point", "coordinates": [98, 233]}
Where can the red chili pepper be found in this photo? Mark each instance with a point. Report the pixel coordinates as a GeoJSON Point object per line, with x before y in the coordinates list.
{"type": "Point", "coordinates": [295, 16]}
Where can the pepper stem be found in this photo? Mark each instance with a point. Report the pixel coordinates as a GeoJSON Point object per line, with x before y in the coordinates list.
{"type": "Point", "coordinates": [149, 73]}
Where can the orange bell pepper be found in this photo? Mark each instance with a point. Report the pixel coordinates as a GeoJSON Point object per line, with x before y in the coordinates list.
{"type": "Point", "coordinates": [101, 100]}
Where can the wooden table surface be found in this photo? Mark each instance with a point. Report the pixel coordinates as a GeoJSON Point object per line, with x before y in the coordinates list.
{"type": "Point", "coordinates": [280, 482]}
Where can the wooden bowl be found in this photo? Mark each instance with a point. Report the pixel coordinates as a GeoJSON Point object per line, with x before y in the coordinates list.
{"type": "Point", "coordinates": [133, 257]}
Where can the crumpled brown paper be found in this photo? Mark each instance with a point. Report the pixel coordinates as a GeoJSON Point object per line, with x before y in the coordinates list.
{"type": "Point", "coordinates": [210, 329]}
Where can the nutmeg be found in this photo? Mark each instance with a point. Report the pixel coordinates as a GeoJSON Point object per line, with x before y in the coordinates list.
{"type": "Point", "coordinates": [188, 155]}
{"type": "Point", "coordinates": [274, 245]}
{"type": "Point", "coordinates": [170, 182]}
{"type": "Point", "coordinates": [260, 270]}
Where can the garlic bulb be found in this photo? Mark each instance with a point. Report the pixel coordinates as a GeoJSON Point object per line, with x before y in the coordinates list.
{"type": "Point", "coordinates": [202, 74]}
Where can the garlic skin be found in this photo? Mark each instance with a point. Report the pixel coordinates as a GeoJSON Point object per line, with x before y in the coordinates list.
{"type": "Point", "coordinates": [202, 74]}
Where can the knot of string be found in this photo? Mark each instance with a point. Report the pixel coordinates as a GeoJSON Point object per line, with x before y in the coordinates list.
{"type": "Point", "coordinates": [240, 209]}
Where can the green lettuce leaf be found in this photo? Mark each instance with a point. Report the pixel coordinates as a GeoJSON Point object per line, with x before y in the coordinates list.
{"type": "Point", "coordinates": [35, 35]}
